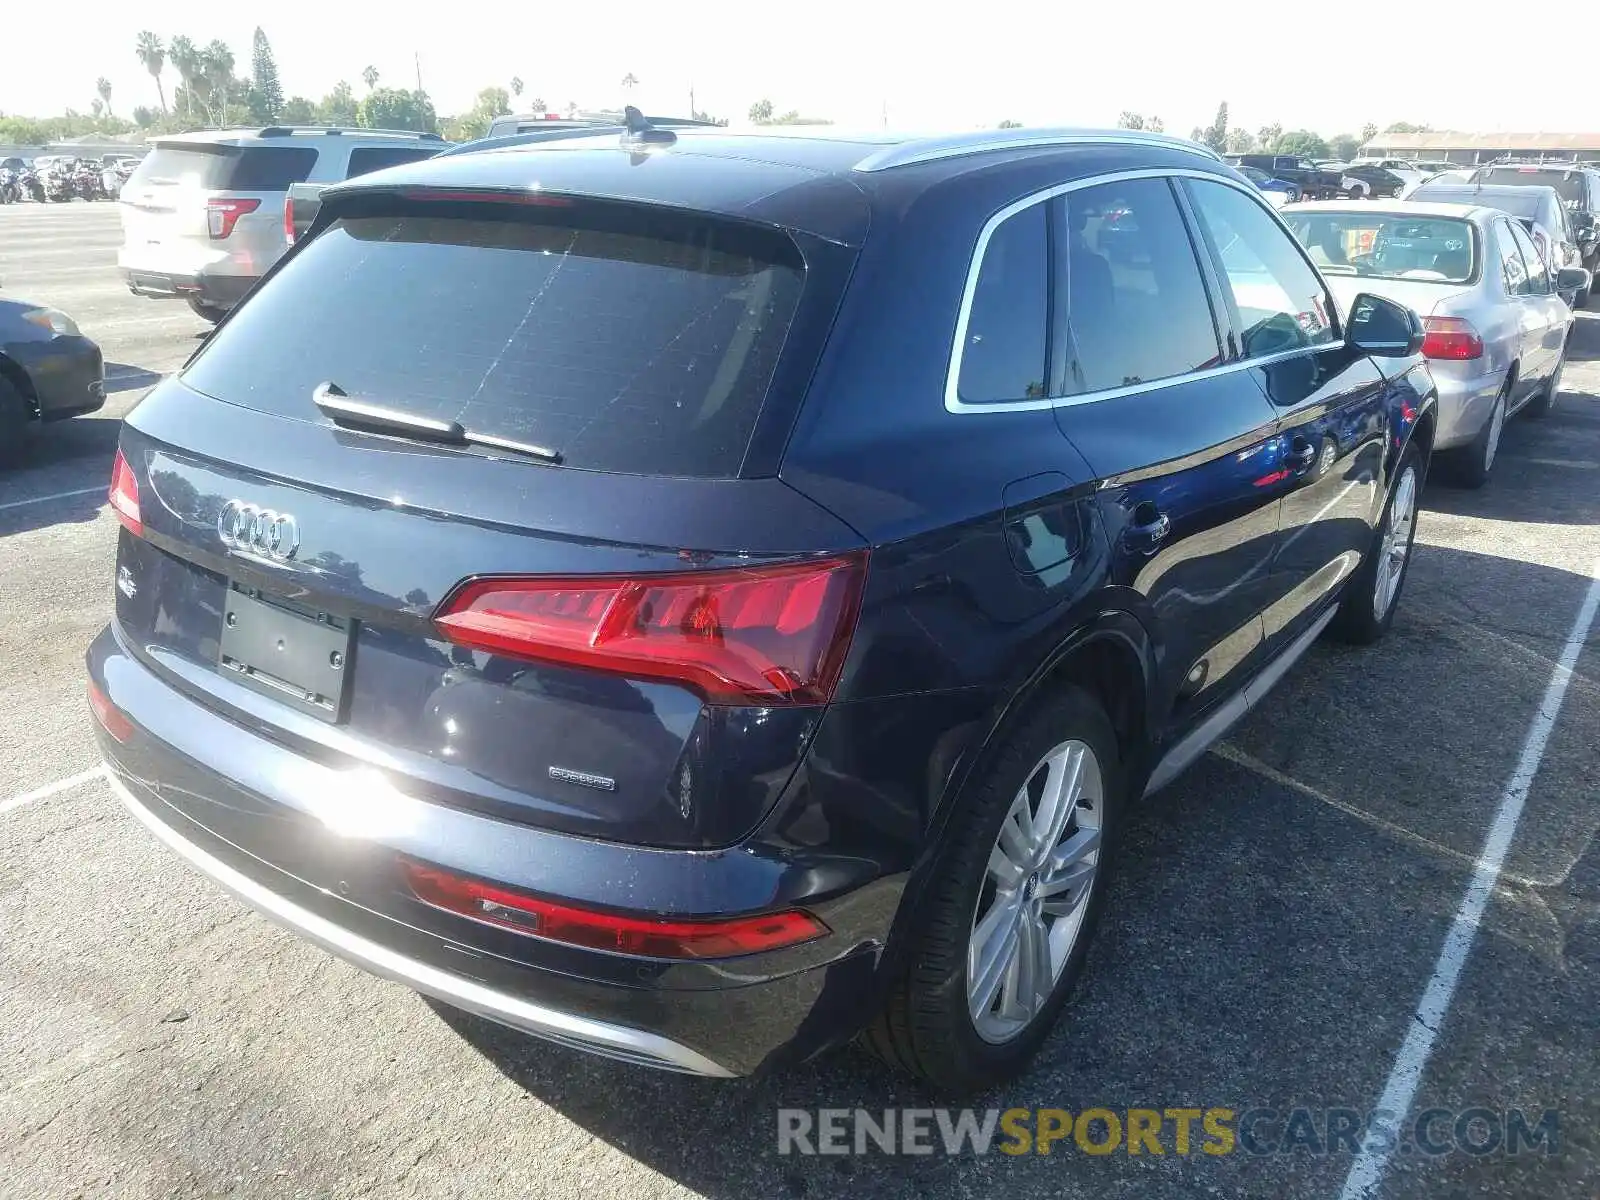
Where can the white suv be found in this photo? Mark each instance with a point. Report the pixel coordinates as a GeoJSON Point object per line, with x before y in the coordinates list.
{"type": "Point", "coordinates": [202, 216]}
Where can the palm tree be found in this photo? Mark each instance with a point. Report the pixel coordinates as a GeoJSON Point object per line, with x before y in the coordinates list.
{"type": "Point", "coordinates": [516, 85]}
{"type": "Point", "coordinates": [370, 77]}
{"type": "Point", "coordinates": [630, 81]}
{"type": "Point", "coordinates": [186, 59]}
{"type": "Point", "coordinates": [153, 56]}
{"type": "Point", "coordinates": [103, 87]}
{"type": "Point", "coordinates": [217, 67]}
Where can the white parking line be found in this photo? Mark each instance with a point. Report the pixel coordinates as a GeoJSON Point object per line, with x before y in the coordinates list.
{"type": "Point", "coordinates": [51, 496]}
{"type": "Point", "coordinates": [53, 789]}
{"type": "Point", "coordinates": [1366, 1173]}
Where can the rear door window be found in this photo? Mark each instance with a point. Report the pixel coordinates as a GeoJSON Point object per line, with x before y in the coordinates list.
{"type": "Point", "coordinates": [366, 159]}
{"type": "Point", "coordinates": [1512, 268]}
{"type": "Point", "coordinates": [1130, 304]}
{"type": "Point", "coordinates": [626, 340]}
{"type": "Point", "coordinates": [1538, 269]}
{"type": "Point", "coordinates": [1281, 302]}
{"type": "Point", "coordinates": [220, 168]}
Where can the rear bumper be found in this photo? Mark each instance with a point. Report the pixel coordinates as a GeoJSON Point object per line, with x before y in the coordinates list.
{"type": "Point", "coordinates": [292, 839]}
{"type": "Point", "coordinates": [67, 375]}
{"type": "Point", "coordinates": [1464, 406]}
{"type": "Point", "coordinates": [221, 291]}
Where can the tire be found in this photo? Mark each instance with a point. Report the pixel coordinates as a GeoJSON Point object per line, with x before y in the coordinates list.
{"type": "Point", "coordinates": [206, 312]}
{"type": "Point", "coordinates": [1544, 403]}
{"type": "Point", "coordinates": [928, 1026]}
{"type": "Point", "coordinates": [16, 425]}
{"type": "Point", "coordinates": [1469, 466]}
{"type": "Point", "coordinates": [1364, 613]}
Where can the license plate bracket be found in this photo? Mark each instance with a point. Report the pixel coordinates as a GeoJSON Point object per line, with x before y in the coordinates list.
{"type": "Point", "coordinates": [299, 656]}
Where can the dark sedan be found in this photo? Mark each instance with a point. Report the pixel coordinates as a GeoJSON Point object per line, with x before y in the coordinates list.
{"type": "Point", "coordinates": [48, 371]}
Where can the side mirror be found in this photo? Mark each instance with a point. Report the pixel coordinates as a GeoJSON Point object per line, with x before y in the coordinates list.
{"type": "Point", "coordinates": [1571, 279]}
{"type": "Point", "coordinates": [1383, 328]}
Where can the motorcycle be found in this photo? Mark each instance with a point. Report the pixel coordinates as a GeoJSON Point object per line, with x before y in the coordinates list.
{"type": "Point", "coordinates": [85, 181]}
{"type": "Point", "coordinates": [10, 186]}
{"type": "Point", "coordinates": [57, 181]}
{"type": "Point", "coordinates": [31, 186]}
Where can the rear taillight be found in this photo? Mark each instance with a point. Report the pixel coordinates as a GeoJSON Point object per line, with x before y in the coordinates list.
{"type": "Point", "coordinates": [1450, 338]}
{"type": "Point", "coordinates": [607, 931]}
{"type": "Point", "coordinates": [109, 715]}
{"type": "Point", "coordinates": [759, 635]}
{"type": "Point", "coordinates": [124, 496]}
{"type": "Point", "coordinates": [222, 215]}
{"type": "Point", "coordinates": [288, 219]}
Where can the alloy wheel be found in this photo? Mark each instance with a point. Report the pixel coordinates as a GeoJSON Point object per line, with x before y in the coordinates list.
{"type": "Point", "coordinates": [1035, 891]}
{"type": "Point", "coordinates": [1396, 543]}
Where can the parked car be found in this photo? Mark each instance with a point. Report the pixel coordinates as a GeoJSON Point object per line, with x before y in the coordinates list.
{"type": "Point", "coordinates": [1496, 332]}
{"type": "Point", "coordinates": [48, 372]}
{"type": "Point", "coordinates": [303, 200]}
{"type": "Point", "coordinates": [1541, 213]}
{"type": "Point", "coordinates": [1434, 166]}
{"type": "Point", "coordinates": [203, 214]}
{"type": "Point", "coordinates": [1578, 187]}
{"type": "Point", "coordinates": [1279, 191]}
{"type": "Point", "coordinates": [1361, 181]}
{"type": "Point", "coordinates": [1314, 183]}
{"type": "Point", "coordinates": [1409, 173]}
{"type": "Point", "coordinates": [698, 611]}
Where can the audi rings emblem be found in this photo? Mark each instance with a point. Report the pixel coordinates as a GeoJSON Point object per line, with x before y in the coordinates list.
{"type": "Point", "coordinates": [258, 530]}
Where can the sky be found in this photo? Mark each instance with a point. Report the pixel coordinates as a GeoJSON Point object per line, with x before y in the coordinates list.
{"type": "Point", "coordinates": [1330, 67]}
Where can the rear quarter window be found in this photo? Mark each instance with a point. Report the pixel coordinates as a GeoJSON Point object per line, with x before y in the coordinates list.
{"type": "Point", "coordinates": [366, 159]}
{"type": "Point", "coordinates": [626, 340]}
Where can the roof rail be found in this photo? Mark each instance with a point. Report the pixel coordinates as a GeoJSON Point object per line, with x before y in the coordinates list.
{"type": "Point", "coordinates": [333, 130]}
{"type": "Point", "coordinates": [983, 141]}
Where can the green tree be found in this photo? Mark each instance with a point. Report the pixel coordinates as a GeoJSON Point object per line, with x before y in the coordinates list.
{"type": "Point", "coordinates": [1267, 138]}
{"type": "Point", "coordinates": [536, 105]}
{"type": "Point", "coordinates": [1241, 141]}
{"type": "Point", "coordinates": [370, 77]}
{"type": "Point", "coordinates": [761, 112]}
{"type": "Point", "coordinates": [186, 61]}
{"type": "Point", "coordinates": [1343, 146]}
{"type": "Point", "coordinates": [97, 106]}
{"type": "Point", "coordinates": [1216, 134]}
{"type": "Point", "coordinates": [144, 117]}
{"type": "Point", "coordinates": [396, 108]}
{"type": "Point", "coordinates": [297, 110]}
{"type": "Point", "coordinates": [1408, 127]}
{"type": "Point", "coordinates": [153, 57]}
{"type": "Point", "coordinates": [1368, 132]}
{"type": "Point", "coordinates": [1010, 124]}
{"type": "Point", "coordinates": [1130, 120]}
{"type": "Point", "coordinates": [217, 70]}
{"type": "Point", "coordinates": [264, 74]}
{"type": "Point", "coordinates": [1302, 141]}
{"type": "Point", "coordinates": [1155, 124]}
{"type": "Point", "coordinates": [492, 102]}
{"type": "Point", "coordinates": [338, 107]}
{"type": "Point", "coordinates": [103, 87]}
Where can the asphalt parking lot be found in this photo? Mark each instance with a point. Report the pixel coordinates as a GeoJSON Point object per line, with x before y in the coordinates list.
{"type": "Point", "coordinates": [1276, 915]}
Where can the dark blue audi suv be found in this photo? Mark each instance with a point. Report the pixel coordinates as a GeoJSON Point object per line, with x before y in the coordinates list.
{"type": "Point", "coordinates": [702, 598]}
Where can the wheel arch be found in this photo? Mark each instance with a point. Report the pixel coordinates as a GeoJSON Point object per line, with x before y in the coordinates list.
{"type": "Point", "coordinates": [13, 374]}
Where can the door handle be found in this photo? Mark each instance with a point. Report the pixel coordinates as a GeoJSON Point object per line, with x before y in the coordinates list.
{"type": "Point", "coordinates": [1149, 530]}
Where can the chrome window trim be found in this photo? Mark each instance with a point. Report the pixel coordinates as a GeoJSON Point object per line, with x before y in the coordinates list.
{"type": "Point", "coordinates": [952, 391]}
{"type": "Point", "coordinates": [921, 150]}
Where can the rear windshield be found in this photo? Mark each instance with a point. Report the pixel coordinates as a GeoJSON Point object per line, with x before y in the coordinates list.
{"type": "Point", "coordinates": [1387, 245]}
{"type": "Point", "coordinates": [1567, 185]}
{"type": "Point", "coordinates": [226, 168]}
{"type": "Point", "coordinates": [1510, 200]}
{"type": "Point", "coordinates": [626, 340]}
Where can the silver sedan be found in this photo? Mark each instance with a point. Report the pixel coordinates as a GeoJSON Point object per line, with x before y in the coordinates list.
{"type": "Point", "coordinates": [1496, 327]}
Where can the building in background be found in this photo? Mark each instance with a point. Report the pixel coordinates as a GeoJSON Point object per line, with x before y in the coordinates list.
{"type": "Point", "coordinates": [1469, 148]}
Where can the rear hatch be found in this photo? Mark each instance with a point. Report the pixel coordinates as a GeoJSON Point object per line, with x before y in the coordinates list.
{"type": "Point", "coordinates": [215, 195]}
{"type": "Point", "coordinates": [564, 398]}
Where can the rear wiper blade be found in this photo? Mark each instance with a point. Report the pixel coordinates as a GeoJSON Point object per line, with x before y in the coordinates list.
{"type": "Point", "coordinates": [378, 418]}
